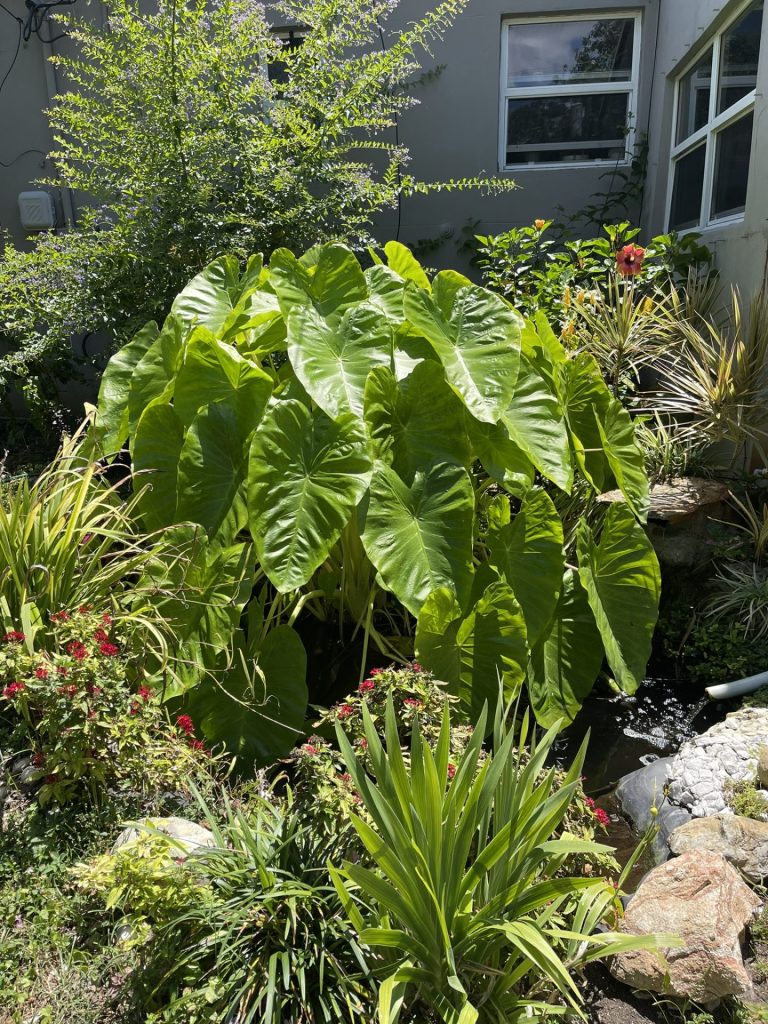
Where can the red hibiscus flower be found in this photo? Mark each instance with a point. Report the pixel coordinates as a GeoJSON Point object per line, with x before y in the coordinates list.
{"type": "Point", "coordinates": [629, 260]}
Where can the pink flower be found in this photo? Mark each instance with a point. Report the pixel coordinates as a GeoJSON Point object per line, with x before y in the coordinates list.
{"type": "Point", "coordinates": [60, 617]}
{"type": "Point", "coordinates": [41, 673]}
{"type": "Point", "coordinates": [367, 686]}
{"type": "Point", "coordinates": [106, 619]}
{"type": "Point", "coordinates": [13, 636]}
{"type": "Point", "coordinates": [345, 777]}
{"type": "Point", "coordinates": [185, 723]}
{"type": "Point", "coordinates": [346, 710]}
{"type": "Point", "coordinates": [589, 802]}
{"type": "Point", "coordinates": [93, 689]}
{"type": "Point", "coordinates": [68, 691]}
{"type": "Point", "coordinates": [451, 770]}
{"type": "Point", "coordinates": [416, 667]}
{"type": "Point", "coordinates": [85, 608]}
{"type": "Point", "coordinates": [145, 693]}
{"type": "Point", "coordinates": [601, 816]}
{"type": "Point", "coordinates": [629, 260]}
{"type": "Point", "coordinates": [308, 748]}
{"type": "Point", "coordinates": [199, 746]}
{"type": "Point", "coordinates": [61, 671]}
{"type": "Point", "coordinates": [376, 671]}
{"type": "Point", "coordinates": [109, 650]}
{"type": "Point", "coordinates": [413, 702]}
{"type": "Point", "coordinates": [12, 689]}
{"type": "Point", "coordinates": [362, 743]}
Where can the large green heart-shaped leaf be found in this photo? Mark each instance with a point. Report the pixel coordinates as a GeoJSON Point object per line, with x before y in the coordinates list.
{"type": "Point", "coordinates": [415, 421]}
{"type": "Point", "coordinates": [386, 290]}
{"type": "Point", "coordinates": [501, 457]}
{"type": "Point", "coordinates": [402, 262]}
{"type": "Point", "coordinates": [157, 446]}
{"type": "Point", "coordinates": [617, 432]}
{"type": "Point", "coordinates": [333, 359]}
{"type": "Point", "coordinates": [256, 709]}
{"type": "Point", "coordinates": [155, 374]}
{"type": "Point", "coordinates": [478, 345]}
{"type": "Point", "coordinates": [528, 552]}
{"type": "Point", "coordinates": [210, 296]}
{"type": "Point", "coordinates": [334, 283]}
{"type": "Point", "coordinates": [621, 577]}
{"type": "Point", "coordinates": [216, 373]}
{"type": "Point", "coordinates": [565, 662]}
{"type": "Point", "coordinates": [420, 537]}
{"type": "Point", "coordinates": [111, 425]}
{"type": "Point", "coordinates": [306, 475]}
{"type": "Point", "coordinates": [474, 652]}
{"type": "Point", "coordinates": [585, 400]}
{"type": "Point", "coordinates": [535, 421]}
{"type": "Point", "coordinates": [212, 466]}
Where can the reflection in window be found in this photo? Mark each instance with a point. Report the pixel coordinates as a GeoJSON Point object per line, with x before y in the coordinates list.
{"type": "Point", "coordinates": [567, 128]}
{"type": "Point", "coordinates": [555, 53]}
{"type": "Point", "coordinates": [738, 62]}
{"type": "Point", "coordinates": [693, 98]}
{"type": "Point", "coordinates": [734, 143]}
{"type": "Point", "coordinates": [687, 191]}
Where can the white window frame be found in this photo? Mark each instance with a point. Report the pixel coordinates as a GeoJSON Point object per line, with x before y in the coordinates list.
{"type": "Point", "coordinates": [709, 132]}
{"type": "Point", "coordinates": [630, 87]}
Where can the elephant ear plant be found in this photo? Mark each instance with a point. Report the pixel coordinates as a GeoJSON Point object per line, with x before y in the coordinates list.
{"type": "Point", "coordinates": [467, 903]}
{"type": "Point", "coordinates": [390, 443]}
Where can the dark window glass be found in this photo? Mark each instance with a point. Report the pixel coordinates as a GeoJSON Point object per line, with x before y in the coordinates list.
{"type": "Point", "coordinates": [291, 38]}
{"type": "Point", "coordinates": [567, 128]}
{"type": "Point", "coordinates": [687, 190]}
{"type": "Point", "coordinates": [559, 52]}
{"type": "Point", "coordinates": [740, 49]}
{"type": "Point", "coordinates": [734, 143]}
{"type": "Point", "coordinates": [693, 104]}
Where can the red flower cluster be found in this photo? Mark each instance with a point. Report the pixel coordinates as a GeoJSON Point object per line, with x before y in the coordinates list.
{"type": "Point", "coordinates": [37, 760]}
{"type": "Point", "coordinates": [451, 770]}
{"type": "Point", "coordinates": [367, 686]}
{"type": "Point", "coordinates": [308, 748]}
{"type": "Point", "coordinates": [68, 691]}
{"type": "Point", "coordinates": [41, 673]}
{"type": "Point", "coordinates": [109, 650]}
{"type": "Point", "coordinates": [629, 260]}
{"type": "Point", "coordinates": [199, 745]}
{"type": "Point", "coordinates": [602, 816]}
{"type": "Point", "coordinates": [101, 636]}
{"type": "Point", "coordinates": [145, 693]}
{"type": "Point", "coordinates": [12, 689]}
{"type": "Point", "coordinates": [60, 617]}
{"type": "Point", "coordinates": [77, 650]}
{"type": "Point", "coordinates": [93, 689]}
{"type": "Point", "coordinates": [413, 702]}
{"type": "Point", "coordinates": [13, 636]}
{"type": "Point", "coordinates": [376, 671]}
{"type": "Point", "coordinates": [346, 710]}
{"type": "Point", "coordinates": [416, 667]}
{"type": "Point", "coordinates": [185, 723]}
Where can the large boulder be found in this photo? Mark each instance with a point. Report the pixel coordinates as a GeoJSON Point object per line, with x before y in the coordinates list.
{"type": "Point", "coordinates": [700, 898]}
{"type": "Point", "coordinates": [642, 790]}
{"type": "Point", "coordinates": [742, 841]}
{"type": "Point", "coordinates": [187, 837]}
{"type": "Point", "coordinates": [700, 773]}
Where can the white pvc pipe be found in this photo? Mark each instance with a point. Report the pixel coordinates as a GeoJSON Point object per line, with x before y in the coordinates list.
{"type": "Point", "coordinates": [739, 687]}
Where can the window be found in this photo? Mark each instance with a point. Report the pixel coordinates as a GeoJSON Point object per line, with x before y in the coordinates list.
{"type": "Point", "coordinates": [715, 102]}
{"type": "Point", "coordinates": [569, 88]}
{"type": "Point", "coordinates": [291, 37]}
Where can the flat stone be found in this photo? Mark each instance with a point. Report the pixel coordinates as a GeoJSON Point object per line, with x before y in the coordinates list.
{"type": "Point", "coordinates": [639, 791]}
{"type": "Point", "coordinates": [189, 837]}
{"type": "Point", "coordinates": [698, 774]}
{"type": "Point", "coordinates": [678, 498]}
{"type": "Point", "coordinates": [742, 841]}
{"type": "Point", "coordinates": [701, 899]}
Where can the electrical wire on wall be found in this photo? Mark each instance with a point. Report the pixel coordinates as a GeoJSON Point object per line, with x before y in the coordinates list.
{"type": "Point", "coordinates": [20, 27]}
{"type": "Point", "coordinates": [397, 146]}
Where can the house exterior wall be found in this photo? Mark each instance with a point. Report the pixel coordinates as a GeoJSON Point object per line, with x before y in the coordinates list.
{"type": "Point", "coordinates": [686, 28]}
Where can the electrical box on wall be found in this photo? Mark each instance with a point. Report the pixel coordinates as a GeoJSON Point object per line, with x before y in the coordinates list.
{"type": "Point", "coordinates": [37, 211]}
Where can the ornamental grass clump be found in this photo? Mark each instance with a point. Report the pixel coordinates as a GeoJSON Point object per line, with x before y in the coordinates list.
{"type": "Point", "coordinates": [85, 720]}
{"type": "Point", "coordinates": [462, 904]}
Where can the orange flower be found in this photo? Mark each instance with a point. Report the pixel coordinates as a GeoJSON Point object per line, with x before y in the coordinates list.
{"type": "Point", "coordinates": [629, 260]}
{"type": "Point", "coordinates": [539, 223]}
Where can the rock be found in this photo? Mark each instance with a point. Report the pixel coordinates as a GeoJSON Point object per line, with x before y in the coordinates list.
{"type": "Point", "coordinates": [742, 841]}
{"type": "Point", "coordinates": [762, 767]}
{"type": "Point", "coordinates": [698, 773]}
{"type": "Point", "coordinates": [639, 791]}
{"type": "Point", "coordinates": [191, 838]}
{"type": "Point", "coordinates": [678, 498]}
{"type": "Point", "coordinates": [700, 898]}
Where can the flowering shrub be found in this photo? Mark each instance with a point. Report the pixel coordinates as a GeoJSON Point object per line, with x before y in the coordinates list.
{"type": "Point", "coordinates": [85, 724]}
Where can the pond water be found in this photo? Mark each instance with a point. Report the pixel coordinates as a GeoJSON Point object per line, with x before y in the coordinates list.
{"type": "Point", "coordinates": [628, 732]}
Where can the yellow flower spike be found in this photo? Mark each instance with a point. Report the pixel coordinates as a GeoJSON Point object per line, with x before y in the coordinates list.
{"type": "Point", "coordinates": [648, 306]}
{"type": "Point", "coordinates": [580, 296]}
{"type": "Point", "coordinates": [569, 329]}
{"type": "Point", "coordinates": [567, 297]}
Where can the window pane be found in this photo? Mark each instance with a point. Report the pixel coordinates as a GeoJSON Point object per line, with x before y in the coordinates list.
{"type": "Point", "coordinates": [291, 39]}
{"type": "Point", "coordinates": [693, 104]}
{"type": "Point", "coordinates": [558, 52]}
{"type": "Point", "coordinates": [738, 62]}
{"type": "Point", "coordinates": [687, 190]}
{"type": "Point", "coordinates": [729, 195]}
{"type": "Point", "coordinates": [567, 128]}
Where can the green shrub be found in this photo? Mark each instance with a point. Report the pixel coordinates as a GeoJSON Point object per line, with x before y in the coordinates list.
{"type": "Point", "coordinates": [187, 148]}
{"type": "Point", "coordinates": [383, 437]}
{"type": "Point", "coordinates": [85, 720]}
{"type": "Point", "coordinates": [463, 904]}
